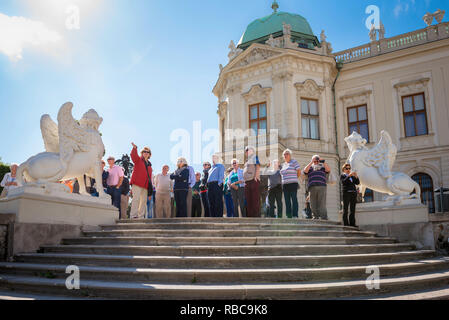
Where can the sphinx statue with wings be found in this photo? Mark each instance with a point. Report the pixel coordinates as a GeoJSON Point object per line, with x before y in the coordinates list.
{"type": "Point", "coordinates": [73, 149]}
{"type": "Point", "coordinates": [374, 168]}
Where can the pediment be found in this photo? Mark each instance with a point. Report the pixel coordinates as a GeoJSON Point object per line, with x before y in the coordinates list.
{"type": "Point", "coordinates": [255, 53]}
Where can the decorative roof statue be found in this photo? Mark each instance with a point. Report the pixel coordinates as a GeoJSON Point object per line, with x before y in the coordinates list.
{"type": "Point", "coordinates": [373, 33]}
{"type": "Point", "coordinates": [326, 47]}
{"type": "Point", "coordinates": [287, 29]}
{"type": "Point", "coordinates": [428, 19]}
{"type": "Point", "coordinates": [374, 168]}
{"type": "Point", "coordinates": [275, 6]}
{"type": "Point", "coordinates": [271, 41]}
{"type": "Point", "coordinates": [233, 51]}
{"type": "Point", "coordinates": [73, 149]}
{"type": "Point", "coordinates": [381, 31]}
{"type": "Point", "coordinates": [322, 36]}
{"type": "Point", "coordinates": [439, 15]}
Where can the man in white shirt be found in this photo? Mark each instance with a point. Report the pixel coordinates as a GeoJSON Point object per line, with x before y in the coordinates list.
{"type": "Point", "coordinates": [164, 186]}
{"type": "Point", "coordinates": [9, 181]}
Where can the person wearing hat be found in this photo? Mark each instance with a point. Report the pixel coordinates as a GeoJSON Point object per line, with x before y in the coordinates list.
{"type": "Point", "coordinates": [142, 186]}
{"type": "Point", "coordinates": [114, 183]}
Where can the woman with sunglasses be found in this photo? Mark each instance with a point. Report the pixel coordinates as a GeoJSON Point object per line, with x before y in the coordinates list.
{"type": "Point", "coordinates": [349, 181]}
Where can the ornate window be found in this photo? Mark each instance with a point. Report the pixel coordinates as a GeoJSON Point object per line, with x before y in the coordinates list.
{"type": "Point", "coordinates": [427, 192]}
{"type": "Point", "coordinates": [358, 121]}
{"type": "Point", "coordinates": [415, 116]}
{"type": "Point", "coordinates": [310, 119]}
{"type": "Point", "coordinates": [258, 118]}
{"type": "Point", "coordinates": [309, 98]}
{"type": "Point", "coordinates": [359, 108]}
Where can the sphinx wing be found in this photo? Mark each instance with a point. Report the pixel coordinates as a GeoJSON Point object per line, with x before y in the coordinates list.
{"type": "Point", "coordinates": [72, 137]}
{"type": "Point", "coordinates": [382, 156]}
{"type": "Point", "coordinates": [49, 130]}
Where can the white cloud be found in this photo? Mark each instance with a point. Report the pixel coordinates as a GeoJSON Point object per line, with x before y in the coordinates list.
{"type": "Point", "coordinates": [402, 7]}
{"type": "Point", "coordinates": [16, 33]}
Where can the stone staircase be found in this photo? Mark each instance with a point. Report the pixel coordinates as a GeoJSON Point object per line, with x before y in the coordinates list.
{"type": "Point", "coordinates": [213, 258]}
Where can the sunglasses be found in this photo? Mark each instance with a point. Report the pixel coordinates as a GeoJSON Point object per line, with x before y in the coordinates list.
{"type": "Point", "coordinates": [347, 168]}
{"type": "Point", "coordinates": [145, 152]}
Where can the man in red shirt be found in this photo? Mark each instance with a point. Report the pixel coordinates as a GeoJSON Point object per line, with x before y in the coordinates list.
{"type": "Point", "coordinates": [142, 186]}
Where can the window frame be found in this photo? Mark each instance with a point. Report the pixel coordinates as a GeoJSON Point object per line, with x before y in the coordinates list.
{"type": "Point", "coordinates": [358, 122]}
{"type": "Point", "coordinates": [258, 119]}
{"type": "Point", "coordinates": [431, 202]}
{"type": "Point", "coordinates": [414, 112]}
{"type": "Point", "coordinates": [310, 116]}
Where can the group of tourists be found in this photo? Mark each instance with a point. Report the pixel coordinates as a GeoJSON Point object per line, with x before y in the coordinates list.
{"type": "Point", "coordinates": [186, 193]}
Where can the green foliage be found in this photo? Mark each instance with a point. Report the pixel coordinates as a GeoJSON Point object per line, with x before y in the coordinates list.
{"type": "Point", "coordinates": [4, 169]}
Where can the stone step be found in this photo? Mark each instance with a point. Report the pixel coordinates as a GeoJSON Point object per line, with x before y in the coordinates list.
{"type": "Point", "coordinates": [243, 291]}
{"type": "Point", "coordinates": [226, 226]}
{"type": "Point", "coordinates": [251, 250]}
{"type": "Point", "coordinates": [230, 262]}
{"type": "Point", "coordinates": [228, 241]}
{"type": "Point", "coordinates": [229, 276]}
{"type": "Point", "coordinates": [226, 233]}
{"type": "Point", "coordinates": [295, 221]}
{"type": "Point", "coordinates": [23, 296]}
{"type": "Point", "coordinates": [429, 294]}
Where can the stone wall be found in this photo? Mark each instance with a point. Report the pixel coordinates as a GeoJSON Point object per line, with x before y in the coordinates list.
{"type": "Point", "coordinates": [3, 241]}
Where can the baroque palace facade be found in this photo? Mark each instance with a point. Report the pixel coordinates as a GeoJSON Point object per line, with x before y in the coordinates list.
{"type": "Point", "coordinates": [294, 92]}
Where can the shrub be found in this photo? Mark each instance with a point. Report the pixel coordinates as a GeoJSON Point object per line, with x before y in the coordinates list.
{"type": "Point", "coordinates": [4, 169]}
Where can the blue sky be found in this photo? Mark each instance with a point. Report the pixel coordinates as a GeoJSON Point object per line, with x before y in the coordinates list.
{"type": "Point", "coordinates": [148, 67]}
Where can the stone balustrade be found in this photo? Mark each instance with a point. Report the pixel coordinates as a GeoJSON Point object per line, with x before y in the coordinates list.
{"type": "Point", "coordinates": [406, 40]}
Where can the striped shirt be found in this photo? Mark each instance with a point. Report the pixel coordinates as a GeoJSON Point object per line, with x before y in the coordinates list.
{"type": "Point", "coordinates": [317, 177]}
{"type": "Point", "coordinates": [289, 172]}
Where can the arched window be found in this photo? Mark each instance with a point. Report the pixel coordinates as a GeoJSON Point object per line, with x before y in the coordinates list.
{"type": "Point", "coordinates": [427, 195]}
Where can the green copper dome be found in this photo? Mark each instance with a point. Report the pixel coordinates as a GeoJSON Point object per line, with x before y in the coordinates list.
{"type": "Point", "coordinates": [260, 30]}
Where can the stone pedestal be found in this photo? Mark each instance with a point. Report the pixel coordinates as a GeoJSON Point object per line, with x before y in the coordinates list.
{"type": "Point", "coordinates": [408, 222]}
{"type": "Point", "coordinates": [44, 217]}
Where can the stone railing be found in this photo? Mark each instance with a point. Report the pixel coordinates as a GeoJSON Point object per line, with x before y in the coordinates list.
{"type": "Point", "coordinates": [354, 54]}
{"type": "Point", "coordinates": [374, 48]}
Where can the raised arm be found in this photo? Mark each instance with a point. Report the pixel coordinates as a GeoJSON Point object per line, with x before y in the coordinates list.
{"type": "Point", "coordinates": [306, 169]}
{"type": "Point", "coordinates": [134, 155]}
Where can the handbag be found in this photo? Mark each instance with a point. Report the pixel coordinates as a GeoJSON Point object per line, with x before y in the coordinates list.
{"type": "Point", "coordinates": [150, 183]}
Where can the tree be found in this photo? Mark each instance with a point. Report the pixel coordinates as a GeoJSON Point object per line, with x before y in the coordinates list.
{"type": "Point", "coordinates": [4, 169]}
{"type": "Point", "coordinates": [126, 164]}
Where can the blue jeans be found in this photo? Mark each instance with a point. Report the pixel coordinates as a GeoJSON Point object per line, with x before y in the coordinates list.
{"type": "Point", "coordinates": [150, 206]}
{"type": "Point", "coordinates": [116, 196]}
{"type": "Point", "coordinates": [229, 206]}
{"type": "Point", "coordinates": [291, 199]}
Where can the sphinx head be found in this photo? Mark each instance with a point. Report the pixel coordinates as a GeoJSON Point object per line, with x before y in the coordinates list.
{"type": "Point", "coordinates": [355, 141]}
{"type": "Point", "coordinates": [91, 120]}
